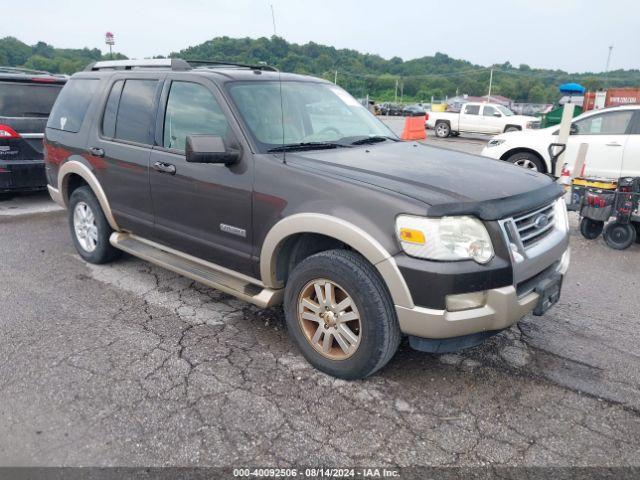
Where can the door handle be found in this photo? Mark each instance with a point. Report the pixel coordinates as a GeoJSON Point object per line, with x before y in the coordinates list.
{"type": "Point", "coordinates": [613, 144]}
{"type": "Point", "coordinates": [96, 152]}
{"type": "Point", "coordinates": [165, 168]}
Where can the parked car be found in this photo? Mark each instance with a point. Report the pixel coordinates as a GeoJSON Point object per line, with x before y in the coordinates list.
{"type": "Point", "coordinates": [612, 136]}
{"type": "Point", "coordinates": [474, 117]}
{"type": "Point", "coordinates": [223, 175]}
{"type": "Point", "coordinates": [414, 111]}
{"type": "Point", "coordinates": [390, 109]}
{"type": "Point", "coordinates": [26, 98]}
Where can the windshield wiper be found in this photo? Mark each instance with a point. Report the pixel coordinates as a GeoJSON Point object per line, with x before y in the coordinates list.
{"type": "Point", "coordinates": [289, 147]}
{"type": "Point", "coordinates": [372, 139]}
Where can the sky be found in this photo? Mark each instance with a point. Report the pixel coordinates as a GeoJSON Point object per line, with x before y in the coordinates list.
{"type": "Point", "coordinates": [571, 35]}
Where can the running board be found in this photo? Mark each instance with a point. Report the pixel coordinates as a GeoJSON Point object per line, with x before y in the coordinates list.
{"type": "Point", "coordinates": [210, 274]}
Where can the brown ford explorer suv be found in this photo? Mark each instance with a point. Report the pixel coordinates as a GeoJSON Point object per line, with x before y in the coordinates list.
{"type": "Point", "coordinates": [281, 188]}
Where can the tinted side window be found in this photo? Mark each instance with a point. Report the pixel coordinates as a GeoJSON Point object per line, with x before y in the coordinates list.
{"type": "Point", "coordinates": [72, 104]}
{"type": "Point", "coordinates": [472, 109]}
{"type": "Point", "coordinates": [111, 110]}
{"type": "Point", "coordinates": [191, 109]}
{"type": "Point", "coordinates": [135, 112]}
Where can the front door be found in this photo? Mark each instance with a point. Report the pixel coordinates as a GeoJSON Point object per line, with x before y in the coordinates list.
{"type": "Point", "coordinates": [200, 209]}
{"type": "Point", "coordinates": [491, 121]}
{"type": "Point", "coordinates": [606, 135]}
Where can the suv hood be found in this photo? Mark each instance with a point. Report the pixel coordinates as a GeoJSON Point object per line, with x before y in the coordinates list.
{"type": "Point", "coordinates": [448, 182]}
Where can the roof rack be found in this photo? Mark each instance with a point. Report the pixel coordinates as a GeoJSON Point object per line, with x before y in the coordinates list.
{"type": "Point", "coordinates": [173, 64]}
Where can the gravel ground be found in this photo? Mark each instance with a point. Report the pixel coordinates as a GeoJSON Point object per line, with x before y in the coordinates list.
{"type": "Point", "coordinates": [129, 364]}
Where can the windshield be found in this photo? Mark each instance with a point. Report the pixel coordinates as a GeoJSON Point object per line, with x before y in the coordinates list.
{"type": "Point", "coordinates": [312, 113]}
{"type": "Point", "coordinates": [504, 110]}
{"type": "Point", "coordinates": [27, 99]}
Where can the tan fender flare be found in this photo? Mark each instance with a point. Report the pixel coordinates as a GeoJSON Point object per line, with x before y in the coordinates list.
{"type": "Point", "coordinates": [80, 169]}
{"type": "Point", "coordinates": [341, 230]}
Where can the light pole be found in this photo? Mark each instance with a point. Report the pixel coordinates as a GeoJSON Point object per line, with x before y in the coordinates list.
{"type": "Point", "coordinates": [110, 40]}
{"type": "Point", "coordinates": [606, 70]}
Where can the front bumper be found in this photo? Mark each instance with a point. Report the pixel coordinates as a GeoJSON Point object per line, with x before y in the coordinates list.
{"type": "Point", "coordinates": [503, 308]}
{"type": "Point", "coordinates": [22, 175]}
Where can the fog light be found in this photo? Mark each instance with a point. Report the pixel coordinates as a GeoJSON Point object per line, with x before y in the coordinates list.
{"type": "Point", "coordinates": [465, 301]}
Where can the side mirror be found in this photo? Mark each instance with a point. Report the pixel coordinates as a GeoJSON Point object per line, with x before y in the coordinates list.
{"type": "Point", "coordinates": [497, 114]}
{"type": "Point", "coordinates": [573, 130]}
{"type": "Point", "coordinates": [209, 149]}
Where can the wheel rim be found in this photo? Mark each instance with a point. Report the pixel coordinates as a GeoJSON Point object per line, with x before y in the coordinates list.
{"type": "Point", "coordinates": [526, 163]}
{"type": "Point", "coordinates": [441, 130]}
{"type": "Point", "coordinates": [329, 319]}
{"type": "Point", "coordinates": [84, 225]}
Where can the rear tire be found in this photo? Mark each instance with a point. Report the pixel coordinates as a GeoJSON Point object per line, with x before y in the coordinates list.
{"type": "Point", "coordinates": [90, 230]}
{"type": "Point", "coordinates": [443, 130]}
{"type": "Point", "coordinates": [591, 229]}
{"type": "Point", "coordinates": [527, 160]}
{"type": "Point", "coordinates": [356, 291]}
{"type": "Point", "coordinates": [619, 235]}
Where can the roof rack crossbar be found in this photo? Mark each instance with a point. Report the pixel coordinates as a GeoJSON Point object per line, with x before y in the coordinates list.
{"type": "Point", "coordinates": [29, 71]}
{"type": "Point", "coordinates": [222, 63]}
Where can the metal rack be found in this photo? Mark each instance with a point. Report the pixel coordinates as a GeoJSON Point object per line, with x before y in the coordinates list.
{"type": "Point", "coordinates": [173, 64]}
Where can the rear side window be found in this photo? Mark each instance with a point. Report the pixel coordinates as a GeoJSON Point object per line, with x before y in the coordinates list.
{"type": "Point", "coordinates": [135, 112]}
{"type": "Point", "coordinates": [472, 109]}
{"type": "Point", "coordinates": [27, 100]}
{"type": "Point", "coordinates": [72, 104]}
{"type": "Point", "coordinates": [111, 110]}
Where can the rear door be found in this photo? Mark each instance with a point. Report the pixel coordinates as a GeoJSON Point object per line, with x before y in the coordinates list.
{"type": "Point", "coordinates": [606, 135]}
{"type": "Point", "coordinates": [201, 209]}
{"type": "Point", "coordinates": [25, 107]}
{"type": "Point", "coordinates": [120, 148]}
{"type": "Point", "coordinates": [470, 117]}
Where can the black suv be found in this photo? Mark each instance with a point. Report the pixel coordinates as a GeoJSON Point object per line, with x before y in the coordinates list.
{"type": "Point", "coordinates": [281, 188]}
{"type": "Point", "coordinates": [26, 98]}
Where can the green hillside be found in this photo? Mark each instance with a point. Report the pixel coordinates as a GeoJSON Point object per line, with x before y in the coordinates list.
{"type": "Point", "coordinates": [418, 80]}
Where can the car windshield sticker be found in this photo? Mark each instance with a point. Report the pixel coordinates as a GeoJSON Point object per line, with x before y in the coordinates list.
{"type": "Point", "coordinates": [63, 121]}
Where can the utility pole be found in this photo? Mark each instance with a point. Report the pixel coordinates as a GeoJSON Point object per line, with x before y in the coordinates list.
{"type": "Point", "coordinates": [335, 77]}
{"type": "Point", "coordinates": [396, 94]}
{"type": "Point", "coordinates": [490, 84]}
{"type": "Point", "coordinates": [606, 70]}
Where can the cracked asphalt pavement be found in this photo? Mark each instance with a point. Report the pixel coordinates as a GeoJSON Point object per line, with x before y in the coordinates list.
{"type": "Point", "coordinates": [129, 364]}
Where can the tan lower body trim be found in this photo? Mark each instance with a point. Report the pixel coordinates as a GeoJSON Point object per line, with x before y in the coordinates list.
{"type": "Point", "coordinates": [503, 309]}
{"type": "Point", "coordinates": [56, 196]}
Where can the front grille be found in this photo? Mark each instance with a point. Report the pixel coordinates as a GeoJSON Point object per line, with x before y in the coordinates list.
{"type": "Point", "coordinates": [533, 226]}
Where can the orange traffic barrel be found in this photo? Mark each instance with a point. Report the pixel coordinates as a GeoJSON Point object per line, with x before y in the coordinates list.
{"type": "Point", "coordinates": [414, 128]}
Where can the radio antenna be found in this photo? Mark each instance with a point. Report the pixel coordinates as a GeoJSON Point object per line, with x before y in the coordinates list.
{"type": "Point", "coordinates": [275, 34]}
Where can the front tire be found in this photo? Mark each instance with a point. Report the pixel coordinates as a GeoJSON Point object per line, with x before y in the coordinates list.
{"type": "Point", "coordinates": [443, 130]}
{"type": "Point", "coordinates": [90, 230]}
{"type": "Point", "coordinates": [591, 229]}
{"type": "Point", "coordinates": [340, 314]}
{"type": "Point", "coordinates": [619, 235]}
{"type": "Point", "coordinates": [527, 160]}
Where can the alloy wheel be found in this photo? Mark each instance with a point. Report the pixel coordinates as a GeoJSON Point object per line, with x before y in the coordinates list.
{"type": "Point", "coordinates": [84, 225]}
{"type": "Point", "coordinates": [329, 319]}
{"type": "Point", "coordinates": [526, 163]}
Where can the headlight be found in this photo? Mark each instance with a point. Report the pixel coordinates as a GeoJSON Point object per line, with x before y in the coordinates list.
{"type": "Point", "coordinates": [446, 238]}
{"type": "Point", "coordinates": [495, 142]}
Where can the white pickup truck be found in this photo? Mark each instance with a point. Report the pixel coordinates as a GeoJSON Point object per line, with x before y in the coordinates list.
{"type": "Point", "coordinates": [475, 117]}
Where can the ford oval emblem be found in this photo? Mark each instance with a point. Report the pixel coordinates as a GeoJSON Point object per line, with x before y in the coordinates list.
{"type": "Point", "coordinates": [541, 221]}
